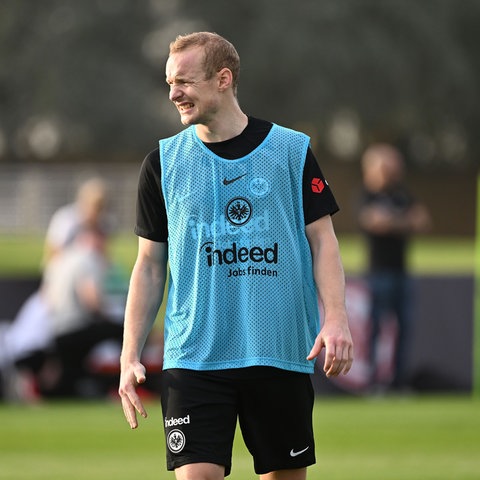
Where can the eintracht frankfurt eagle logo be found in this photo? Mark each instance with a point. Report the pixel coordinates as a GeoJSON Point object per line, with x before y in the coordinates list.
{"type": "Point", "coordinates": [176, 441]}
{"type": "Point", "coordinates": [238, 211]}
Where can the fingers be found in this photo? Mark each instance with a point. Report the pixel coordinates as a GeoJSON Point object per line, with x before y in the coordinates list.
{"type": "Point", "coordinates": [129, 412]}
{"type": "Point", "coordinates": [140, 375]}
{"type": "Point", "coordinates": [315, 351]}
{"type": "Point", "coordinates": [338, 354]}
{"type": "Point", "coordinates": [131, 402]}
{"type": "Point", "coordinates": [338, 359]}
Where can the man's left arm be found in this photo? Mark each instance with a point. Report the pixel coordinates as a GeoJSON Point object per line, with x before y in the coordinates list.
{"type": "Point", "coordinates": [329, 277]}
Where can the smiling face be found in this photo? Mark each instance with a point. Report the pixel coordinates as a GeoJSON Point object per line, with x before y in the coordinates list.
{"type": "Point", "coordinates": [196, 97]}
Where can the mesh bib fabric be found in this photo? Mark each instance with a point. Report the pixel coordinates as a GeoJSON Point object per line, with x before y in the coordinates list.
{"type": "Point", "coordinates": [241, 289]}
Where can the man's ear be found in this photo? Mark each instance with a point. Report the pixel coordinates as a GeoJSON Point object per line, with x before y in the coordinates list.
{"type": "Point", "coordinates": [225, 78]}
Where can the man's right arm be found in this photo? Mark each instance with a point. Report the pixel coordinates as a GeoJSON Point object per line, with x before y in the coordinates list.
{"type": "Point", "coordinates": [145, 296]}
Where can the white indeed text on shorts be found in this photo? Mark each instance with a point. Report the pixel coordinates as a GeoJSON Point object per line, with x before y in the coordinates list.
{"type": "Point", "coordinates": [173, 422]}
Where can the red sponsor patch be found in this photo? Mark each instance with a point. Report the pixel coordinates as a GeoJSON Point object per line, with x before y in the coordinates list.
{"type": "Point", "coordinates": [317, 185]}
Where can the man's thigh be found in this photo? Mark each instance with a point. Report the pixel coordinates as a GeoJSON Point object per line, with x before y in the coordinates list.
{"type": "Point", "coordinates": [276, 421]}
{"type": "Point", "coordinates": [200, 415]}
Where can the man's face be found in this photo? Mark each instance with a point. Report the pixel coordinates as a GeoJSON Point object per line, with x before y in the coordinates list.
{"type": "Point", "coordinates": [195, 97]}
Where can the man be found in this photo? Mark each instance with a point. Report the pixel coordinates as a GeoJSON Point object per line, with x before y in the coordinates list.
{"type": "Point", "coordinates": [29, 336]}
{"type": "Point", "coordinates": [388, 216]}
{"type": "Point", "coordinates": [89, 209]}
{"type": "Point", "coordinates": [79, 306]}
{"type": "Point", "coordinates": [246, 245]}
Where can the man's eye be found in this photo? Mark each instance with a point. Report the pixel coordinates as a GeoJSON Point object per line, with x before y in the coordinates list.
{"type": "Point", "coordinates": [179, 84]}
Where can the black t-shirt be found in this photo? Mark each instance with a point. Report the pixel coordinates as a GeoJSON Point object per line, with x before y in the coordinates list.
{"type": "Point", "coordinates": [151, 223]}
{"type": "Point", "coordinates": [387, 252]}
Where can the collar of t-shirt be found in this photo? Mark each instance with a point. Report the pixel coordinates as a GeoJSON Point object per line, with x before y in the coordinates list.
{"type": "Point", "coordinates": [241, 145]}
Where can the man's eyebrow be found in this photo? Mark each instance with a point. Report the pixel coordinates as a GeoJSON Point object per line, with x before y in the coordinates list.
{"type": "Point", "coordinates": [177, 79]}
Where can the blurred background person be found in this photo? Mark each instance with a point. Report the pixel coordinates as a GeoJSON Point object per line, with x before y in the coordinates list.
{"type": "Point", "coordinates": [88, 209]}
{"type": "Point", "coordinates": [388, 216]}
{"type": "Point", "coordinates": [80, 312]}
{"type": "Point", "coordinates": [29, 338]}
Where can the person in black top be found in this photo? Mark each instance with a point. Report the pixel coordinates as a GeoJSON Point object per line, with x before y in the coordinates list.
{"type": "Point", "coordinates": [151, 214]}
{"type": "Point", "coordinates": [201, 403]}
{"type": "Point", "coordinates": [388, 216]}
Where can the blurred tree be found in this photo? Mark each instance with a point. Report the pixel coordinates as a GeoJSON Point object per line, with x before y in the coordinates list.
{"type": "Point", "coordinates": [74, 79]}
{"type": "Point", "coordinates": [400, 70]}
{"type": "Point", "coordinates": [82, 78]}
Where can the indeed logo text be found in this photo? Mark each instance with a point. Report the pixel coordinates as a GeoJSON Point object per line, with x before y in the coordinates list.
{"type": "Point", "coordinates": [235, 254]}
{"type": "Point", "coordinates": [173, 422]}
{"type": "Point", "coordinates": [222, 226]}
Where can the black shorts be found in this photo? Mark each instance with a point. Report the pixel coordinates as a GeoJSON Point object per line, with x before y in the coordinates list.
{"type": "Point", "coordinates": [274, 408]}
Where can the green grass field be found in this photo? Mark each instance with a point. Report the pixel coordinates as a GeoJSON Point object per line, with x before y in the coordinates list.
{"type": "Point", "coordinates": [391, 438]}
{"type": "Point", "coordinates": [424, 438]}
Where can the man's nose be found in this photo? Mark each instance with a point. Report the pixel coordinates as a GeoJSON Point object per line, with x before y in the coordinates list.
{"type": "Point", "coordinates": [175, 92]}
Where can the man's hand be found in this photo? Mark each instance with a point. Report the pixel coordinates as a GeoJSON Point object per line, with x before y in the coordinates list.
{"type": "Point", "coordinates": [338, 345]}
{"type": "Point", "coordinates": [132, 376]}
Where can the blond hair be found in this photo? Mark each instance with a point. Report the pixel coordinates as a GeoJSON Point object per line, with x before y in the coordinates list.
{"type": "Point", "coordinates": [219, 53]}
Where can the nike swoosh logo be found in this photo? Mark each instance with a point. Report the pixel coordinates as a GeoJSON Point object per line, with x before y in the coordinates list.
{"type": "Point", "coordinates": [296, 454]}
{"type": "Point", "coordinates": [228, 182]}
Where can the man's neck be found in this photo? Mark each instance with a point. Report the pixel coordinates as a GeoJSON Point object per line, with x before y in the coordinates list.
{"type": "Point", "coordinates": [223, 127]}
